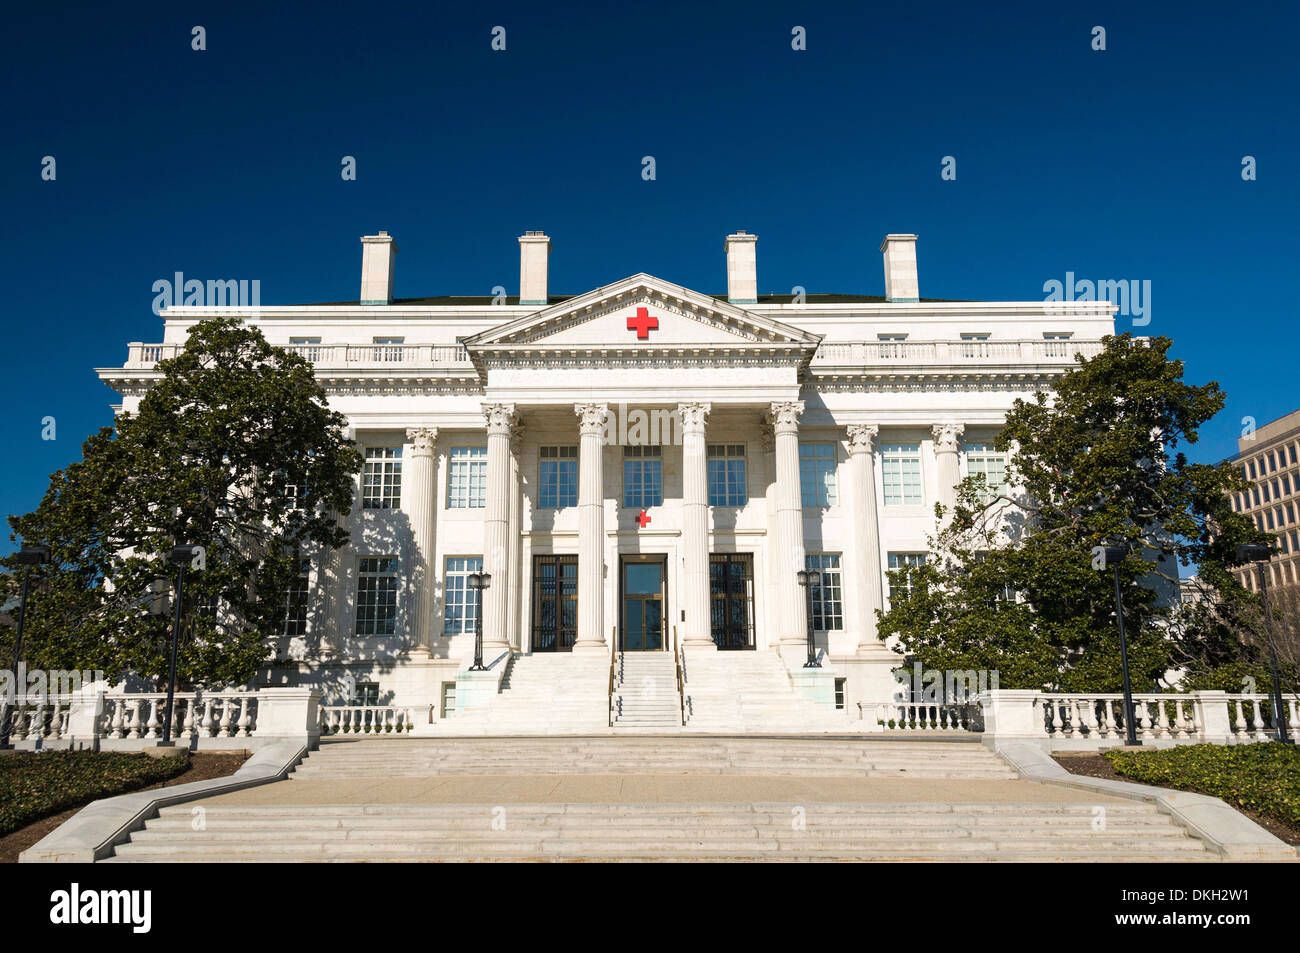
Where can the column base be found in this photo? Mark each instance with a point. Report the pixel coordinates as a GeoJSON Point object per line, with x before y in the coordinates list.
{"type": "Point", "coordinates": [699, 645]}
{"type": "Point", "coordinates": [590, 648]}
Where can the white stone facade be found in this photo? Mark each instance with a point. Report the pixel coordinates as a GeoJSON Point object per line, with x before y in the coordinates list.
{"type": "Point", "coordinates": [478, 388]}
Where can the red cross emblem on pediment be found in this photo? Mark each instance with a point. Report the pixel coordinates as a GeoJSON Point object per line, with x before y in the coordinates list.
{"type": "Point", "coordinates": [643, 323]}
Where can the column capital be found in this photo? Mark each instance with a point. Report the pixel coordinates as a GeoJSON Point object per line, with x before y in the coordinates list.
{"type": "Point", "coordinates": [516, 435]}
{"type": "Point", "coordinates": [694, 415]}
{"type": "Point", "coordinates": [784, 415]}
{"type": "Point", "coordinates": [422, 439]}
{"type": "Point", "coordinates": [591, 418]}
{"type": "Point", "coordinates": [500, 418]}
{"type": "Point", "coordinates": [862, 437]}
{"type": "Point", "coordinates": [946, 437]}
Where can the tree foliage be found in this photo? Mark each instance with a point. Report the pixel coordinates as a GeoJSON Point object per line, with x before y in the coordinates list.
{"type": "Point", "coordinates": [1096, 459]}
{"type": "Point", "coordinates": [234, 449]}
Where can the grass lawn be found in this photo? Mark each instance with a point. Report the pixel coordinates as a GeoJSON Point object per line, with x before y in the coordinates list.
{"type": "Point", "coordinates": [33, 786]}
{"type": "Point", "coordinates": [1263, 779]}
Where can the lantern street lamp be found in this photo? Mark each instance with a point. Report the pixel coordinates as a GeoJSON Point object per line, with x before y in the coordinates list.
{"type": "Point", "coordinates": [181, 557]}
{"type": "Point", "coordinates": [1114, 555]}
{"type": "Point", "coordinates": [1260, 554]}
{"type": "Point", "coordinates": [28, 557]}
{"type": "Point", "coordinates": [478, 581]}
{"type": "Point", "coordinates": [809, 578]}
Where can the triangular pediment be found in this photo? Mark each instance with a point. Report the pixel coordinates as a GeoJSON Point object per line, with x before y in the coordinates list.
{"type": "Point", "coordinates": [642, 312]}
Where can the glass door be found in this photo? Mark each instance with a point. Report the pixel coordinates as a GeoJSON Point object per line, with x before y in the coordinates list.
{"type": "Point", "coordinates": [643, 605]}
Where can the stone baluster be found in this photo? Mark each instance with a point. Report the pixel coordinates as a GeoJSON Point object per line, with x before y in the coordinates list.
{"type": "Point", "coordinates": [207, 717]}
{"type": "Point", "coordinates": [245, 718]}
{"type": "Point", "coordinates": [151, 725]}
{"type": "Point", "coordinates": [191, 721]}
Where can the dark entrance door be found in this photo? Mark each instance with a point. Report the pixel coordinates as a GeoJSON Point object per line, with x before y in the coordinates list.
{"type": "Point", "coordinates": [555, 603]}
{"type": "Point", "coordinates": [731, 599]}
{"type": "Point", "coordinates": [643, 604]}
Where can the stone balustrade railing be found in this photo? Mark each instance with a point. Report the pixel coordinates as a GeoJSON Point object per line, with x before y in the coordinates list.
{"type": "Point", "coordinates": [200, 719]}
{"type": "Point", "coordinates": [366, 719]}
{"type": "Point", "coordinates": [1084, 720]}
{"type": "Point", "coordinates": [141, 355]}
{"type": "Point", "coordinates": [892, 353]}
{"type": "Point", "coordinates": [924, 716]}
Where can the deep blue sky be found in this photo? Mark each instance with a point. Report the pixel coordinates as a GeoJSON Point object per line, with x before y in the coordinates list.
{"type": "Point", "coordinates": [225, 164]}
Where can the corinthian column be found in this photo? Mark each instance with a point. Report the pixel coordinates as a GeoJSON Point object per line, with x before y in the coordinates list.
{"type": "Point", "coordinates": [591, 527]}
{"type": "Point", "coordinates": [867, 579]}
{"type": "Point", "coordinates": [496, 528]}
{"type": "Point", "coordinates": [417, 480]}
{"type": "Point", "coordinates": [946, 437]}
{"type": "Point", "coordinates": [784, 417]}
{"type": "Point", "coordinates": [695, 526]}
{"type": "Point", "coordinates": [515, 573]}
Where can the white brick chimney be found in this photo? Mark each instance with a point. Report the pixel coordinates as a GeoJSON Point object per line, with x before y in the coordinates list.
{"type": "Point", "coordinates": [377, 253]}
{"type": "Point", "coordinates": [742, 268]}
{"type": "Point", "coordinates": [534, 259]}
{"type": "Point", "coordinates": [900, 268]}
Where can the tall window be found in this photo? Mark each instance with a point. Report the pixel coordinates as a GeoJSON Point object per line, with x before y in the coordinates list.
{"type": "Point", "coordinates": [982, 459]}
{"type": "Point", "coordinates": [557, 477]}
{"type": "Point", "coordinates": [643, 477]}
{"type": "Point", "coordinates": [900, 465]}
{"type": "Point", "coordinates": [827, 598]}
{"type": "Point", "coordinates": [295, 599]}
{"type": "Point", "coordinates": [459, 603]}
{"type": "Point", "coordinates": [377, 595]}
{"type": "Point", "coordinates": [726, 470]}
{"type": "Point", "coordinates": [905, 562]}
{"type": "Point", "coordinates": [381, 480]}
{"type": "Point", "coordinates": [388, 349]}
{"type": "Point", "coordinates": [817, 474]}
{"type": "Point", "coordinates": [467, 478]}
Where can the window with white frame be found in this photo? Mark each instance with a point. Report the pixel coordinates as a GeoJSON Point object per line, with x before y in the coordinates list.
{"type": "Point", "coordinates": [459, 601]}
{"type": "Point", "coordinates": [974, 344]}
{"type": "Point", "coordinates": [827, 594]}
{"type": "Point", "coordinates": [381, 479]}
{"type": "Point", "coordinates": [388, 349]}
{"type": "Point", "coordinates": [817, 474]}
{"type": "Point", "coordinates": [643, 477]}
{"type": "Point", "coordinates": [295, 599]}
{"type": "Point", "coordinates": [377, 582]}
{"type": "Point", "coordinates": [983, 459]}
{"type": "Point", "coordinates": [308, 348]}
{"type": "Point", "coordinates": [726, 475]}
{"type": "Point", "coordinates": [365, 694]}
{"type": "Point", "coordinates": [467, 478]}
{"type": "Point", "coordinates": [1057, 343]}
{"type": "Point", "coordinates": [900, 467]}
{"type": "Point", "coordinates": [891, 346]}
{"type": "Point", "coordinates": [557, 477]}
{"type": "Point", "coordinates": [904, 562]}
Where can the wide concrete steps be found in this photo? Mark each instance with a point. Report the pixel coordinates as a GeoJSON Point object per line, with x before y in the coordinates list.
{"type": "Point", "coordinates": [815, 757]}
{"type": "Point", "coordinates": [751, 691]}
{"type": "Point", "coordinates": [645, 694]}
{"type": "Point", "coordinates": [751, 831]}
{"type": "Point", "coordinates": [542, 694]}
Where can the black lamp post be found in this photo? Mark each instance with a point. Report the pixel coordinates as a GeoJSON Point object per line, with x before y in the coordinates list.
{"type": "Point", "coordinates": [809, 578]}
{"type": "Point", "coordinates": [1260, 554]}
{"type": "Point", "coordinates": [478, 581]}
{"type": "Point", "coordinates": [28, 557]}
{"type": "Point", "coordinates": [1114, 555]}
{"type": "Point", "coordinates": [180, 557]}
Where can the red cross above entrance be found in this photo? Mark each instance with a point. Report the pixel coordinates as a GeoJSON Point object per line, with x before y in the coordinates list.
{"type": "Point", "coordinates": [641, 518]}
{"type": "Point", "coordinates": [643, 323]}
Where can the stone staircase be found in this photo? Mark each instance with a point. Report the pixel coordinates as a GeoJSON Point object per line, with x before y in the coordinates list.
{"type": "Point", "coordinates": [645, 691]}
{"type": "Point", "coordinates": [1131, 832]}
{"type": "Point", "coordinates": [654, 755]}
{"type": "Point", "coordinates": [544, 693]}
{"type": "Point", "coordinates": [751, 691]}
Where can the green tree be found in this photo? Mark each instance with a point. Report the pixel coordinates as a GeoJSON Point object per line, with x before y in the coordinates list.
{"type": "Point", "coordinates": [235, 449]}
{"type": "Point", "coordinates": [1093, 460]}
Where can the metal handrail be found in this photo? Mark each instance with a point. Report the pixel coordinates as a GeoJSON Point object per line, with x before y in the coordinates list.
{"type": "Point", "coordinates": [681, 692]}
{"type": "Point", "coordinates": [613, 658]}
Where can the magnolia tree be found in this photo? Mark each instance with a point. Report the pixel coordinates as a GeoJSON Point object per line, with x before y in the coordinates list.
{"type": "Point", "coordinates": [235, 449]}
{"type": "Point", "coordinates": [1012, 584]}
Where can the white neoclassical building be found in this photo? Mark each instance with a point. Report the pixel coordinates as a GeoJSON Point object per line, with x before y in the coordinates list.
{"type": "Point", "coordinates": [644, 469]}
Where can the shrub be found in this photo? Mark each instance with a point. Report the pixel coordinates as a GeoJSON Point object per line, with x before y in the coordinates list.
{"type": "Point", "coordinates": [1263, 778]}
{"type": "Point", "coordinates": [36, 785]}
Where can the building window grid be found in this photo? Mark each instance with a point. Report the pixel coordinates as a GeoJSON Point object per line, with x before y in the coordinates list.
{"type": "Point", "coordinates": [377, 584]}
{"type": "Point", "coordinates": [817, 481]}
{"type": "Point", "coordinates": [296, 600]}
{"type": "Point", "coordinates": [381, 479]}
{"type": "Point", "coordinates": [904, 561]}
{"type": "Point", "coordinates": [900, 465]}
{"type": "Point", "coordinates": [459, 604]}
{"type": "Point", "coordinates": [557, 477]}
{"type": "Point", "coordinates": [827, 596]}
{"type": "Point", "coordinates": [467, 478]}
{"type": "Point", "coordinates": [643, 477]}
{"type": "Point", "coordinates": [984, 459]}
{"type": "Point", "coordinates": [726, 475]}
